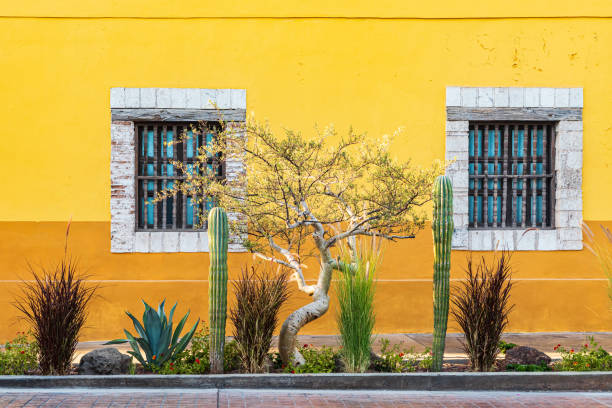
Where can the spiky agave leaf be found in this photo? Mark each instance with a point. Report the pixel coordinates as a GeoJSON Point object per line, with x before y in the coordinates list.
{"type": "Point", "coordinates": [160, 309]}
{"type": "Point", "coordinates": [144, 345]}
{"type": "Point", "coordinates": [138, 357]}
{"type": "Point", "coordinates": [133, 342]}
{"type": "Point", "coordinates": [116, 341]}
{"type": "Point", "coordinates": [137, 325]}
{"type": "Point", "coordinates": [152, 325]}
{"type": "Point", "coordinates": [171, 314]}
{"type": "Point", "coordinates": [182, 344]}
{"type": "Point", "coordinates": [179, 328]}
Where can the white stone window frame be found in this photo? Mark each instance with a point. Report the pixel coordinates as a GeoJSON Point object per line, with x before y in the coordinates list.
{"type": "Point", "coordinates": [160, 104]}
{"type": "Point", "coordinates": [561, 105]}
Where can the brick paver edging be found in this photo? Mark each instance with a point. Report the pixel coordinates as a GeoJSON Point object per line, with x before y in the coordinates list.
{"type": "Point", "coordinates": [561, 381]}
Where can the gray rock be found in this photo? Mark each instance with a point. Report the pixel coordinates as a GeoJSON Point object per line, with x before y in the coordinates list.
{"type": "Point", "coordinates": [104, 361]}
{"type": "Point", "coordinates": [526, 355]}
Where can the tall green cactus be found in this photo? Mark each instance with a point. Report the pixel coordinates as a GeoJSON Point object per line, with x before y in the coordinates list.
{"type": "Point", "coordinates": [442, 227]}
{"type": "Point", "coordinates": [217, 286]}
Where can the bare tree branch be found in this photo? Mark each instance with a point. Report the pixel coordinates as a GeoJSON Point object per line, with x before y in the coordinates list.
{"type": "Point", "coordinates": [295, 265]}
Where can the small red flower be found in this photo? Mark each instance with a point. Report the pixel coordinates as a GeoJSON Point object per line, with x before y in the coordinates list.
{"type": "Point", "coordinates": [22, 352]}
{"type": "Point", "coordinates": [154, 357]}
{"type": "Point", "coordinates": [172, 368]}
{"type": "Point", "coordinates": [197, 360]}
{"type": "Point", "coordinates": [555, 348]}
{"type": "Point", "coordinates": [292, 371]}
{"type": "Point", "coordinates": [305, 345]}
{"type": "Point", "coordinates": [558, 345]}
{"type": "Point", "coordinates": [171, 364]}
{"type": "Point", "coordinates": [588, 365]}
{"type": "Point", "coordinates": [572, 350]}
{"type": "Point", "coordinates": [575, 363]}
{"type": "Point", "coordinates": [586, 346]}
{"type": "Point", "coordinates": [401, 354]}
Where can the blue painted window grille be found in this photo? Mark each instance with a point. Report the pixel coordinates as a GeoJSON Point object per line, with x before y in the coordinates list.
{"type": "Point", "coordinates": [511, 175]}
{"type": "Point", "coordinates": [156, 150]}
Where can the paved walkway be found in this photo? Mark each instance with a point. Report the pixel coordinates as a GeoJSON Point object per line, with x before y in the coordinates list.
{"type": "Point", "coordinates": [294, 398]}
{"type": "Point", "coordinates": [542, 341]}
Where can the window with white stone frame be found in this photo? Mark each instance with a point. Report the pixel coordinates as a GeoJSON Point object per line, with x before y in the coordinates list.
{"type": "Point", "coordinates": [143, 123]}
{"type": "Point", "coordinates": [516, 167]}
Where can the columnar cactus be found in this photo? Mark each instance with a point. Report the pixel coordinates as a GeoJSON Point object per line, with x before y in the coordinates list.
{"type": "Point", "coordinates": [217, 285]}
{"type": "Point", "coordinates": [442, 227]}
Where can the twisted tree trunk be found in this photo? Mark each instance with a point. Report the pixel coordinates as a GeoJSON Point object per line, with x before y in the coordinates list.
{"type": "Point", "coordinates": [287, 345]}
{"type": "Point", "coordinates": [287, 340]}
{"type": "Point", "coordinates": [318, 307]}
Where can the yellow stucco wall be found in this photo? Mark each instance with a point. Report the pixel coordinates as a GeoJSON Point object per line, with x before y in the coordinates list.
{"type": "Point", "coordinates": [376, 67]}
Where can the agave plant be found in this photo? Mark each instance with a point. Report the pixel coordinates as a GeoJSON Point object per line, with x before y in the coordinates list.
{"type": "Point", "coordinates": [156, 340]}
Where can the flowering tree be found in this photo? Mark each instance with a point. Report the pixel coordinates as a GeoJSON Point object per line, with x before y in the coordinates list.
{"type": "Point", "coordinates": [293, 197]}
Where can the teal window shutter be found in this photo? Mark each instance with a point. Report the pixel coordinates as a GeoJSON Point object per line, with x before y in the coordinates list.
{"type": "Point", "coordinates": [159, 146]}
{"type": "Point", "coordinates": [511, 175]}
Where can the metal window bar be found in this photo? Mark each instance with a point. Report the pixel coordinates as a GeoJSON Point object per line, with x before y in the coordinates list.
{"type": "Point", "coordinates": [154, 172]}
{"type": "Point", "coordinates": [512, 177]}
{"type": "Point", "coordinates": [477, 170]}
{"type": "Point", "coordinates": [496, 145]}
{"type": "Point", "coordinates": [543, 182]}
{"type": "Point", "coordinates": [485, 182]}
{"type": "Point", "coordinates": [550, 168]}
{"type": "Point", "coordinates": [163, 161]}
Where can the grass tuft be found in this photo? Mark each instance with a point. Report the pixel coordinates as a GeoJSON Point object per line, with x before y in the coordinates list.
{"type": "Point", "coordinates": [602, 249]}
{"type": "Point", "coordinates": [481, 308]}
{"type": "Point", "coordinates": [355, 289]}
{"type": "Point", "coordinates": [259, 297]}
{"type": "Point", "coordinates": [55, 304]}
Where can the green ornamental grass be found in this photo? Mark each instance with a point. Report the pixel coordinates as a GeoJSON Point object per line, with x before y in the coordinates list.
{"type": "Point", "coordinates": [355, 289]}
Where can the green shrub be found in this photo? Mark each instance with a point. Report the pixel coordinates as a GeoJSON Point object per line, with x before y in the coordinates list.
{"type": "Point", "coordinates": [322, 360]}
{"type": "Point", "coordinates": [590, 357]}
{"type": "Point", "coordinates": [355, 290]}
{"type": "Point", "coordinates": [231, 359]}
{"type": "Point", "coordinates": [426, 359]}
{"type": "Point", "coordinates": [528, 367]}
{"type": "Point", "coordinates": [394, 360]}
{"type": "Point", "coordinates": [194, 360]}
{"type": "Point", "coordinates": [503, 346]}
{"type": "Point", "coordinates": [20, 355]}
{"type": "Point", "coordinates": [180, 366]}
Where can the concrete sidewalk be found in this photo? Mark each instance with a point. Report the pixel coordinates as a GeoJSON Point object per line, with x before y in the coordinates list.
{"type": "Point", "coordinates": [296, 398]}
{"type": "Point", "coordinates": [544, 342]}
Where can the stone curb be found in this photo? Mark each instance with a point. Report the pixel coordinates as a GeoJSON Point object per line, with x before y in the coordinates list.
{"type": "Point", "coordinates": [542, 381]}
